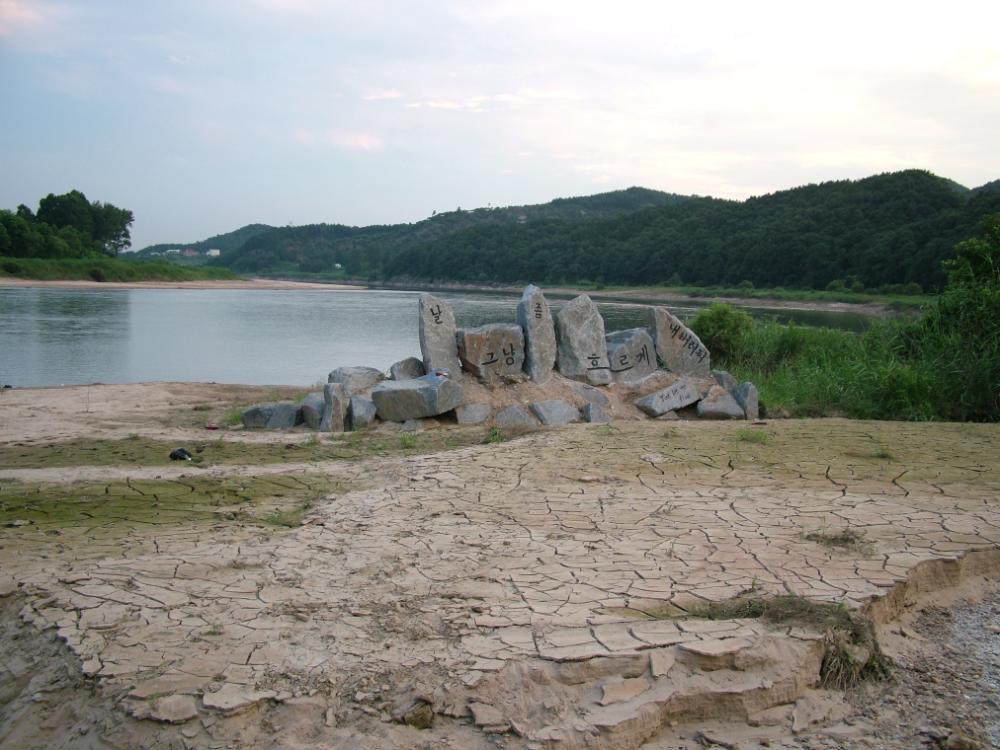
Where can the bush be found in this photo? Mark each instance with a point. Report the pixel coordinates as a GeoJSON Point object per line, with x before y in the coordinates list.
{"type": "Point", "coordinates": [721, 327]}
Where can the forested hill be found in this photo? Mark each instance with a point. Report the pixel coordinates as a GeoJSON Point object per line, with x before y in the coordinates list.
{"type": "Point", "coordinates": [224, 242]}
{"type": "Point", "coordinates": [882, 230]}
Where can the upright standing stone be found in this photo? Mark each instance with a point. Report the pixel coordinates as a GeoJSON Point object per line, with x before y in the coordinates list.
{"type": "Point", "coordinates": [437, 336]}
{"type": "Point", "coordinates": [492, 352]}
{"type": "Point", "coordinates": [582, 351]}
{"type": "Point", "coordinates": [747, 397]}
{"type": "Point", "coordinates": [677, 345]}
{"type": "Point", "coordinates": [631, 354]}
{"type": "Point", "coordinates": [534, 317]}
{"type": "Point", "coordinates": [334, 407]}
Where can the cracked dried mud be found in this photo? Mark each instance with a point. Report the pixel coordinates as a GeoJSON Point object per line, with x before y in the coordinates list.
{"type": "Point", "coordinates": [501, 595]}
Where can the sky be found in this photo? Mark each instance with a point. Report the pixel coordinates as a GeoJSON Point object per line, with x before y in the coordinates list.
{"type": "Point", "coordinates": [202, 116]}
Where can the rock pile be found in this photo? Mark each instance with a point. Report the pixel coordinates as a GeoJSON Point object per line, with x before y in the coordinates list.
{"type": "Point", "coordinates": [662, 369]}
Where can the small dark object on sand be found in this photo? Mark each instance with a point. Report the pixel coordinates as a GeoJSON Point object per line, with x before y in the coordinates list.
{"type": "Point", "coordinates": [180, 454]}
{"type": "Point", "coordinates": [211, 426]}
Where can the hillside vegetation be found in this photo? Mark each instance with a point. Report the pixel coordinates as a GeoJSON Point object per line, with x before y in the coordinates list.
{"type": "Point", "coordinates": [886, 231]}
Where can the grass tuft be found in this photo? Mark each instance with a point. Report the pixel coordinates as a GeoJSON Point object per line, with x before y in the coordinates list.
{"type": "Point", "coordinates": [759, 437]}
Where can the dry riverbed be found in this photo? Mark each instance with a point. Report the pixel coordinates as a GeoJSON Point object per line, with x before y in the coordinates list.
{"type": "Point", "coordinates": [438, 590]}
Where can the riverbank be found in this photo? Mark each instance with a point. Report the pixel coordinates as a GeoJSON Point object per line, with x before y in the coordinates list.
{"type": "Point", "coordinates": [357, 589]}
{"type": "Point", "coordinates": [254, 283]}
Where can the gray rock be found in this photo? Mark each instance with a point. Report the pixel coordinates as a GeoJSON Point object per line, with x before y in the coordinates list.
{"type": "Point", "coordinates": [437, 335]}
{"type": "Point", "coordinates": [596, 414]}
{"type": "Point", "coordinates": [493, 353]}
{"type": "Point", "coordinates": [428, 396]}
{"type": "Point", "coordinates": [746, 396]}
{"type": "Point", "coordinates": [407, 369]}
{"type": "Point", "coordinates": [515, 418]}
{"type": "Point", "coordinates": [311, 409]}
{"type": "Point", "coordinates": [282, 415]}
{"type": "Point", "coordinates": [677, 345]}
{"type": "Point", "coordinates": [590, 394]}
{"type": "Point", "coordinates": [682, 393]}
{"type": "Point", "coordinates": [719, 404]}
{"type": "Point", "coordinates": [582, 351]}
{"type": "Point", "coordinates": [473, 413]}
{"type": "Point", "coordinates": [356, 379]}
{"type": "Point", "coordinates": [410, 425]}
{"type": "Point", "coordinates": [534, 316]}
{"type": "Point", "coordinates": [631, 354]}
{"type": "Point", "coordinates": [334, 408]}
{"type": "Point", "coordinates": [555, 412]}
{"type": "Point", "coordinates": [360, 412]}
{"type": "Point", "coordinates": [173, 709]}
{"type": "Point", "coordinates": [724, 379]}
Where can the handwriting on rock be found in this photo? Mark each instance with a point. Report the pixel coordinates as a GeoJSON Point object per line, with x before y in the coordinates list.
{"type": "Point", "coordinates": [595, 362]}
{"type": "Point", "coordinates": [625, 363]}
{"type": "Point", "coordinates": [538, 311]}
{"type": "Point", "coordinates": [688, 339]}
{"type": "Point", "coordinates": [436, 314]}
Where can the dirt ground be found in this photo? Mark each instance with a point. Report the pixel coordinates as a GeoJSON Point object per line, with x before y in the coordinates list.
{"type": "Point", "coordinates": [364, 590]}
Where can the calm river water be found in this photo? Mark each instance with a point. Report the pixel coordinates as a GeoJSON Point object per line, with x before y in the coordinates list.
{"type": "Point", "coordinates": [294, 337]}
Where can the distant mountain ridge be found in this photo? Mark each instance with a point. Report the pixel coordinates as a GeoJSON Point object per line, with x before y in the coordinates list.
{"type": "Point", "coordinates": [223, 242]}
{"type": "Point", "coordinates": [887, 229]}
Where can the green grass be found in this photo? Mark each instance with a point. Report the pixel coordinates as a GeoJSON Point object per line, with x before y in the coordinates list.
{"type": "Point", "coordinates": [495, 435]}
{"type": "Point", "coordinates": [407, 441]}
{"type": "Point", "coordinates": [759, 437]}
{"type": "Point", "coordinates": [106, 268]}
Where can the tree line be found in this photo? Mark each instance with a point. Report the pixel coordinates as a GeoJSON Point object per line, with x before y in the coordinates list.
{"type": "Point", "coordinates": [878, 232]}
{"type": "Point", "coordinates": [65, 226]}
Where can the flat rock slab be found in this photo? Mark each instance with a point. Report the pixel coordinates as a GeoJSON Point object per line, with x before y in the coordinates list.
{"type": "Point", "coordinates": [473, 413]}
{"type": "Point", "coordinates": [356, 379]}
{"type": "Point", "coordinates": [682, 393]}
{"type": "Point", "coordinates": [493, 353]}
{"type": "Point", "coordinates": [7, 585]}
{"type": "Point", "coordinates": [582, 349]}
{"type": "Point", "coordinates": [631, 354]}
{"type": "Point", "coordinates": [534, 316]}
{"type": "Point", "coordinates": [407, 369]}
{"type": "Point", "coordinates": [719, 403]}
{"type": "Point", "coordinates": [173, 709]}
{"type": "Point", "coordinates": [436, 328]}
{"type": "Point", "coordinates": [677, 346]}
{"type": "Point", "coordinates": [618, 689]}
{"type": "Point", "coordinates": [232, 699]}
{"type": "Point", "coordinates": [400, 400]}
{"type": "Point", "coordinates": [278, 416]}
{"type": "Point", "coordinates": [516, 418]}
{"type": "Point", "coordinates": [555, 412]}
{"type": "Point", "coordinates": [361, 412]}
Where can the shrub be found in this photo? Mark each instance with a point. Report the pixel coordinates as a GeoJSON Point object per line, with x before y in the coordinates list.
{"type": "Point", "coordinates": [721, 328]}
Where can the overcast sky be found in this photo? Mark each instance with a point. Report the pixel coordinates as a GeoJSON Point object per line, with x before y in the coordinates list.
{"type": "Point", "coordinates": [205, 115]}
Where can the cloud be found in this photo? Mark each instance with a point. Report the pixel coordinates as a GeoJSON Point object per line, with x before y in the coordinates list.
{"type": "Point", "coordinates": [347, 140]}
{"type": "Point", "coordinates": [15, 14]}
{"type": "Point", "coordinates": [382, 95]}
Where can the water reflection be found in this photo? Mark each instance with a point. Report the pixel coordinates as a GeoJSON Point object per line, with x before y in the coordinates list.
{"type": "Point", "coordinates": [53, 336]}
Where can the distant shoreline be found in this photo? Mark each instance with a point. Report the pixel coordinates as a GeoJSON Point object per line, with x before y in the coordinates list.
{"type": "Point", "coordinates": [637, 296]}
{"type": "Point", "coordinates": [262, 284]}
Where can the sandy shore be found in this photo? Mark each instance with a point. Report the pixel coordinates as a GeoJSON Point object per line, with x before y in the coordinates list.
{"type": "Point", "coordinates": [264, 284]}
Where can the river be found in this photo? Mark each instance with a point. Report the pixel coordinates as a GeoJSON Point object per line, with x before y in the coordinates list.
{"type": "Point", "coordinates": [295, 337]}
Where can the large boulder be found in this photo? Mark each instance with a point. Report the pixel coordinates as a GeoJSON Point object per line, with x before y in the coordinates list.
{"type": "Point", "coordinates": [555, 412]}
{"type": "Point", "coordinates": [678, 347]}
{"type": "Point", "coordinates": [596, 414]}
{"type": "Point", "coordinates": [515, 417]}
{"type": "Point", "coordinates": [436, 326]}
{"type": "Point", "coordinates": [724, 379]}
{"type": "Point", "coordinates": [407, 369]}
{"type": "Point", "coordinates": [473, 413]}
{"type": "Point", "coordinates": [356, 379]}
{"type": "Point", "coordinates": [311, 409]}
{"type": "Point", "coordinates": [493, 353]}
{"type": "Point", "coordinates": [278, 416]}
{"type": "Point", "coordinates": [682, 393]}
{"type": "Point", "coordinates": [400, 400]}
{"type": "Point", "coordinates": [582, 351]}
{"type": "Point", "coordinates": [534, 316]}
{"type": "Point", "coordinates": [334, 408]}
{"type": "Point", "coordinates": [590, 394]}
{"type": "Point", "coordinates": [360, 412]}
{"type": "Point", "coordinates": [631, 354]}
{"type": "Point", "coordinates": [719, 403]}
{"type": "Point", "coordinates": [746, 396]}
